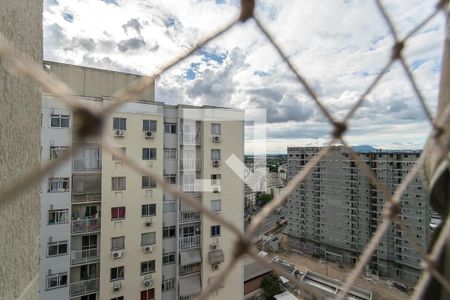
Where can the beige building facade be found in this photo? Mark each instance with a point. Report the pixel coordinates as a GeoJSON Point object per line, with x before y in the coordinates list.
{"type": "Point", "coordinates": [123, 237]}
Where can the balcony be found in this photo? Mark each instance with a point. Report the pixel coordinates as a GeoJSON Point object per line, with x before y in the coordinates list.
{"type": "Point", "coordinates": [82, 198]}
{"type": "Point", "coordinates": [190, 164]}
{"type": "Point", "coordinates": [190, 216]}
{"type": "Point", "coordinates": [84, 287]}
{"type": "Point", "coordinates": [84, 256]}
{"type": "Point", "coordinates": [82, 164]}
{"type": "Point", "coordinates": [85, 225]}
{"type": "Point", "coordinates": [196, 187]}
{"type": "Point", "coordinates": [189, 242]}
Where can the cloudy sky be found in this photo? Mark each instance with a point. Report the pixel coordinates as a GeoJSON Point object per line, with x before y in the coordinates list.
{"type": "Point", "coordinates": [338, 45]}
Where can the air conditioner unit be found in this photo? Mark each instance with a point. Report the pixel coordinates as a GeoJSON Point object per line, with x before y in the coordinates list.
{"type": "Point", "coordinates": [216, 189]}
{"type": "Point", "coordinates": [148, 281]}
{"type": "Point", "coordinates": [149, 134]}
{"type": "Point", "coordinates": [216, 163]}
{"type": "Point", "coordinates": [148, 222]}
{"type": "Point", "coordinates": [215, 267]}
{"type": "Point", "coordinates": [119, 132]}
{"type": "Point", "coordinates": [216, 138]}
{"type": "Point", "coordinates": [213, 246]}
{"type": "Point", "coordinates": [116, 286]}
{"type": "Point", "coordinates": [116, 254]}
{"type": "Point", "coordinates": [147, 249]}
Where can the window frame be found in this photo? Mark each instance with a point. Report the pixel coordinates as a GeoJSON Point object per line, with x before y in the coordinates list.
{"type": "Point", "coordinates": [151, 184]}
{"type": "Point", "coordinates": [56, 152]}
{"type": "Point", "coordinates": [214, 209]}
{"type": "Point", "coordinates": [168, 257]}
{"type": "Point", "coordinates": [118, 213]}
{"type": "Point", "coordinates": [215, 154]}
{"type": "Point", "coordinates": [149, 125]}
{"type": "Point", "coordinates": [150, 210]}
{"type": "Point", "coordinates": [59, 277]}
{"type": "Point", "coordinates": [168, 282]}
{"type": "Point", "coordinates": [60, 118]}
{"type": "Point", "coordinates": [149, 154]}
{"type": "Point", "coordinates": [58, 245]}
{"type": "Point", "coordinates": [144, 234]}
{"type": "Point", "coordinates": [63, 212]}
{"type": "Point", "coordinates": [172, 128]}
{"type": "Point", "coordinates": [119, 273]}
{"type": "Point", "coordinates": [118, 186]}
{"type": "Point", "coordinates": [146, 267]}
{"type": "Point", "coordinates": [117, 238]}
{"type": "Point", "coordinates": [215, 126]}
{"type": "Point", "coordinates": [215, 230]}
{"type": "Point", "coordinates": [169, 232]}
{"type": "Point", "coordinates": [60, 182]}
{"type": "Point", "coordinates": [121, 123]}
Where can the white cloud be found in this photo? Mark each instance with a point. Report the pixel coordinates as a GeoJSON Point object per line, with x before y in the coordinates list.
{"type": "Point", "coordinates": [339, 46]}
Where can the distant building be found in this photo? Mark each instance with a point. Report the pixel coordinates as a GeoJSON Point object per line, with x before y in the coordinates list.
{"type": "Point", "coordinates": [249, 197]}
{"type": "Point", "coordinates": [336, 210]}
{"type": "Point", "coordinates": [254, 274]}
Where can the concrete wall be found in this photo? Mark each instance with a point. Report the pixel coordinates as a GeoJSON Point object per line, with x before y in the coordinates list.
{"type": "Point", "coordinates": [20, 102]}
{"type": "Point", "coordinates": [91, 82]}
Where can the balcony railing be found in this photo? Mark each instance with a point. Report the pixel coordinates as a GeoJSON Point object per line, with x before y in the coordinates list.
{"type": "Point", "coordinates": [189, 242]}
{"type": "Point", "coordinates": [81, 164]}
{"type": "Point", "coordinates": [196, 187]}
{"type": "Point", "coordinates": [97, 197]}
{"type": "Point", "coordinates": [85, 225]}
{"type": "Point", "coordinates": [84, 256]}
{"type": "Point", "coordinates": [190, 164]}
{"type": "Point", "coordinates": [190, 269]}
{"type": "Point", "coordinates": [190, 216]}
{"type": "Point", "coordinates": [190, 138]}
{"type": "Point", "coordinates": [84, 287]}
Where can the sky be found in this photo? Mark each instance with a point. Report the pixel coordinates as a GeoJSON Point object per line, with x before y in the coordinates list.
{"type": "Point", "coordinates": [339, 46]}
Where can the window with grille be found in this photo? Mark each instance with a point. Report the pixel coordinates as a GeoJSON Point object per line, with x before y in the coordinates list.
{"type": "Point", "coordinates": [215, 154]}
{"type": "Point", "coordinates": [215, 179]}
{"type": "Point", "coordinates": [169, 232]}
{"type": "Point", "coordinates": [169, 258]}
{"type": "Point", "coordinates": [147, 267]}
{"type": "Point", "coordinates": [148, 183]}
{"type": "Point", "coordinates": [117, 273]}
{"type": "Point", "coordinates": [59, 216]}
{"type": "Point", "coordinates": [57, 152]}
{"type": "Point", "coordinates": [117, 213]}
{"type": "Point", "coordinates": [169, 206]}
{"type": "Point", "coordinates": [56, 248]}
{"type": "Point", "coordinates": [170, 153]}
{"type": "Point", "coordinates": [216, 129]}
{"type": "Point", "coordinates": [119, 123]}
{"type": "Point", "coordinates": [215, 230]}
{"type": "Point", "coordinates": [171, 178]}
{"type": "Point", "coordinates": [170, 128]}
{"type": "Point", "coordinates": [168, 284]}
{"type": "Point", "coordinates": [59, 121]}
{"type": "Point", "coordinates": [216, 205]}
{"type": "Point", "coordinates": [56, 280]}
{"type": "Point", "coordinates": [58, 184]}
{"type": "Point", "coordinates": [148, 210]}
{"type": "Point", "coordinates": [148, 238]}
{"type": "Point", "coordinates": [118, 243]}
{"type": "Point", "coordinates": [148, 153]}
{"type": "Point", "coordinates": [149, 125]}
{"type": "Point", "coordinates": [118, 183]}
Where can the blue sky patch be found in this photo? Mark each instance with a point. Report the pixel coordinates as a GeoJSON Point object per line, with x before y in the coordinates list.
{"type": "Point", "coordinates": [68, 17]}
{"type": "Point", "coordinates": [212, 55]}
{"type": "Point", "coordinates": [191, 72]}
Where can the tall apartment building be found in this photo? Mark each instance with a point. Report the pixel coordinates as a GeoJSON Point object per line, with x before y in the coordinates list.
{"type": "Point", "coordinates": [336, 211]}
{"type": "Point", "coordinates": [107, 232]}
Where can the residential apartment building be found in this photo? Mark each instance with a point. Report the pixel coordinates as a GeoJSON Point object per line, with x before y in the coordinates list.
{"type": "Point", "coordinates": [107, 231]}
{"type": "Point", "coordinates": [336, 210]}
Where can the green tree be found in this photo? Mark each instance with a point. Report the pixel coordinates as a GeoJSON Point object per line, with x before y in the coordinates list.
{"type": "Point", "coordinates": [271, 285]}
{"type": "Point", "coordinates": [263, 199]}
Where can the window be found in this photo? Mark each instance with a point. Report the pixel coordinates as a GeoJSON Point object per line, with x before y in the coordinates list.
{"type": "Point", "coordinates": [57, 248]}
{"type": "Point", "coordinates": [170, 128]}
{"type": "Point", "coordinates": [148, 153]}
{"type": "Point", "coordinates": [117, 213]}
{"type": "Point", "coordinates": [168, 284]}
{"type": "Point", "coordinates": [118, 243]}
{"type": "Point", "coordinates": [170, 153]}
{"type": "Point", "coordinates": [171, 178]}
{"type": "Point", "coordinates": [56, 280]}
{"type": "Point", "coordinates": [215, 230]}
{"type": "Point", "coordinates": [168, 258]}
{"type": "Point", "coordinates": [122, 150]}
{"type": "Point", "coordinates": [148, 210]}
{"type": "Point", "coordinates": [148, 238]}
{"type": "Point", "coordinates": [119, 123]}
{"type": "Point", "coordinates": [117, 273]}
{"type": "Point", "coordinates": [147, 267]}
{"type": "Point", "coordinates": [58, 151]}
{"type": "Point", "coordinates": [57, 216]}
{"type": "Point", "coordinates": [148, 294]}
{"type": "Point", "coordinates": [148, 183]}
{"type": "Point", "coordinates": [169, 206]}
{"type": "Point", "coordinates": [169, 232]}
{"type": "Point", "coordinates": [216, 129]}
{"type": "Point", "coordinates": [215, 179]}
{"type": "Point", "coordinates": [118, 183]}
{"type": "Point", "coordinates": [215, 154]}
{"type": "Point", "coordinates": [58, 184]}
{"type": "Point", "coordinates": [149, 125]}
{"type": "Point", "coordinates": [117, 298]}
{"type": "Point", "coordinates": [59, 121]}
{"type": "Point", "coordinates": [215, 205]}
